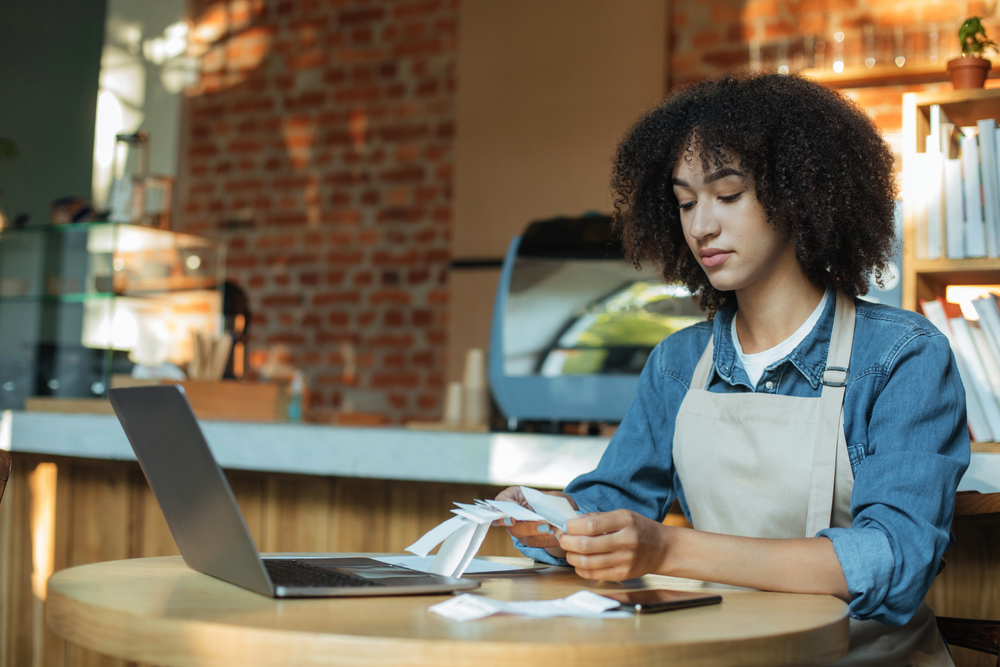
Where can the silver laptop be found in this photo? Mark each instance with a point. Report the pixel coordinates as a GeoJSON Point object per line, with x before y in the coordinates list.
{"type": "Point", "coordinates": [207, 524]}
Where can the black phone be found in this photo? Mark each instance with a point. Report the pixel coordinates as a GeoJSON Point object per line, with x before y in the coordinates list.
{"type": "Point", "coordinates": [652, 600]}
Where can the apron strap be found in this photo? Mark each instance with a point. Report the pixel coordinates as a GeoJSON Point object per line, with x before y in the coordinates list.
{"type": "Point", "coordinates": [699, 379]}
{"type": "Point", "coordinates": [827, 439]}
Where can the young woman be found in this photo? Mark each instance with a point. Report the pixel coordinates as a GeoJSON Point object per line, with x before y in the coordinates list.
{"type": "Point", "coordinates": [815, 441]}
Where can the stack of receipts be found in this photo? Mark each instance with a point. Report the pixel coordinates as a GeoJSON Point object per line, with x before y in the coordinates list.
{"type": "Point", "coordinates": [464, 533]}
{"type": "Point", "coordinates": [582, 604]}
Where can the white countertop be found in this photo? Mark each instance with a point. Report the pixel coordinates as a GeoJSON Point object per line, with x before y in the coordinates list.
{"type": "Point", "coordinates": [544, 461]}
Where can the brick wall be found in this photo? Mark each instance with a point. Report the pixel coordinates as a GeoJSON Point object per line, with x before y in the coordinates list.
{"type": "Point", "coordinates": [318, 145]}
{"type": "Point", "coordinates": [711, 37]}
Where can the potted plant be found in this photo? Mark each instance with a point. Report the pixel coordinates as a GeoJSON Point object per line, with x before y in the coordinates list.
{"type": "Point", "coordinates": [971, 69]}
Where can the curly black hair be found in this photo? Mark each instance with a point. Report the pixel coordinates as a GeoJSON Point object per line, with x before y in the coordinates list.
{"type": "Point", "coordinates": [820, 168]}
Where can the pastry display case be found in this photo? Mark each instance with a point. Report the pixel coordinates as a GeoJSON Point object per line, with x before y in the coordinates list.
{"type": "Point", "coordinates": [80, 302]}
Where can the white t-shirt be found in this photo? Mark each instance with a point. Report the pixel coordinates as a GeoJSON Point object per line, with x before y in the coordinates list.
{"type": "Point", "coordinates": [756, 363]}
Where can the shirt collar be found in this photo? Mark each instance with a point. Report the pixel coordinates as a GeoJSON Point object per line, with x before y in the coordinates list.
{"type": "Point", "coordinates": [809, 357]}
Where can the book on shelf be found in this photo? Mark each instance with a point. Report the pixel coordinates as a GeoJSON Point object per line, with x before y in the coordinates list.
{"type": "Point", "coordinates": [965, 347]}
{"type": "Point", "coordinates": [990, 184]}
{"type": "Point", "coordinates": [933, 215]}
{"type": "Point", "coordinates": [982, 406]}
{"type": "Point", "coordinates": [954, 190]}
{"type": "Point", "coordinates": [954, 209]}
{"type": "Point", "coordinates": [975, 225]}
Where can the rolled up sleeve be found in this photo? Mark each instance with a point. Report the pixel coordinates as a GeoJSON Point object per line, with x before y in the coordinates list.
{"type": "Point", "coordinates": [904, 488]}
{"type": "Point", "coordinates": [636, 470]}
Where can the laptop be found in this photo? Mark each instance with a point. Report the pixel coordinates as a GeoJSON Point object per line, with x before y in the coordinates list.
{"type": "Point", "coordinates": [208, 527]}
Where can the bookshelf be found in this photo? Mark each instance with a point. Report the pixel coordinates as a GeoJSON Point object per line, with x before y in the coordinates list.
{"type": "Point", "coordinates": [923, 278]}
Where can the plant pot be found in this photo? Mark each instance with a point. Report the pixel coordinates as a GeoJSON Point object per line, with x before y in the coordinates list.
{"type": "Point", "coordinates": [967, 72]}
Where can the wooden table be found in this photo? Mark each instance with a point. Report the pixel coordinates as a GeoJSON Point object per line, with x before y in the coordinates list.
{"type": "Point", "coordinates": [157, 610]}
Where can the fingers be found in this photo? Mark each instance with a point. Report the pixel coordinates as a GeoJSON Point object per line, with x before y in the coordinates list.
{"type": "Point", "coordinates": [534, 533]}
{"type": "Point", "coordinates": [513, 494]}
{"type": "Point", "coordinates": [599, 523]}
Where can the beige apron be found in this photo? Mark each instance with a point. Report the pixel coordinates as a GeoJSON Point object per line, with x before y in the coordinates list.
{"type": "Point", "coordinates": [764, 465]}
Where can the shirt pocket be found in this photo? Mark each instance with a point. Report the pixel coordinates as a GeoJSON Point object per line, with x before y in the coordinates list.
{"type": "Point", "coordinates": [857, 454]}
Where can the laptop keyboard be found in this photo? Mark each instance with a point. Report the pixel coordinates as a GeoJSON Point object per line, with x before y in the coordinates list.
{"type": "Point", "coordinates": [297, 574]}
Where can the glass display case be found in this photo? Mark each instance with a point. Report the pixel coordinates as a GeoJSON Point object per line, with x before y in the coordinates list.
{"type": "Point", "coordinates": [80, 302]}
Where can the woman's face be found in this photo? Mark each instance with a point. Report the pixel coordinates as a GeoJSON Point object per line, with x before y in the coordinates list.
{"type": "Point", "coordinates": [726, 227]}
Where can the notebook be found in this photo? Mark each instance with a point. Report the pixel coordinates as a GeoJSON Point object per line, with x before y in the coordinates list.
{"type": "Point", "coordinates": [208, 527]}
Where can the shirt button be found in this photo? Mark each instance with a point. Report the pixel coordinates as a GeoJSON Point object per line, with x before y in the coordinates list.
{"type": "Point", "coordinates": [769, 385]}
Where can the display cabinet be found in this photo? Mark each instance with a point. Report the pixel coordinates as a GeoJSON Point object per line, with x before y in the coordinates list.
{"type": "Point", "coordinates": [82, 301]}
{"type": "Point", "coordinates": [928, 278]}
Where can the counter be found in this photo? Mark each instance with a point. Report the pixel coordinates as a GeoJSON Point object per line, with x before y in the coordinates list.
{"type": "Point", "coordinates": [77, 496]}
{"type": "Point", "coordinates": [502, 459]}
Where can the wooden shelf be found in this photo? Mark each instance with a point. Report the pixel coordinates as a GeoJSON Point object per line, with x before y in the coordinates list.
{"type": "Point", "coordinates": [860, 76]}
{"type": "Point", "coordinates": [927, 279]}
{"type": "Point", "coordinates": [986, 447]}
{"type": "Point", "coordinates": [973, 503]}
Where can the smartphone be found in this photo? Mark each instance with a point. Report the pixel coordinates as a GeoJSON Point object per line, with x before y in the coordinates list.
{"type": "Point", "coordinates": [650, 601]}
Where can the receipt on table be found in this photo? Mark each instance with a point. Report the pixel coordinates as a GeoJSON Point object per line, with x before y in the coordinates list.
{"type": "Point", "coordinates": [582, 604]}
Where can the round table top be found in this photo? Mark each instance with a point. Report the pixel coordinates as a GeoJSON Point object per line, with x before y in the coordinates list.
{"type": "Point", "coordinates": [159, 611]}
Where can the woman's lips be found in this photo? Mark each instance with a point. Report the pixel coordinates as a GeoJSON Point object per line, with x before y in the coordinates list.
{"type": "Point", "coordinates": [712, 257]}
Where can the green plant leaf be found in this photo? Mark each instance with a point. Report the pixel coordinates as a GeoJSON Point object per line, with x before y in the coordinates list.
{"type": "Point", "coordinates": [972, 36]}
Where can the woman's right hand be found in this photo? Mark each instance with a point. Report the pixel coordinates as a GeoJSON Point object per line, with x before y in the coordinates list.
{"type": "Point", "coordinates": [533, 533]}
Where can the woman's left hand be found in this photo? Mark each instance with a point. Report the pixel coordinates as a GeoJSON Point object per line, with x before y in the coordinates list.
{"type": "Point", "coordinates": [614, 546]}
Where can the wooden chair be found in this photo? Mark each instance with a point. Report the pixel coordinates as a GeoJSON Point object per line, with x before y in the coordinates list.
{"type": "Point", "coordinates": [978, 635]}
{"type": "Point", "coordinates": [4, 470]}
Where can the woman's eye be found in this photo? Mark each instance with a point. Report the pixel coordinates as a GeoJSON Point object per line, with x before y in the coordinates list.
{"type": "Point", "coordinates": [731, 198]}
{"type": "Point", "coordinates": [686, 206]}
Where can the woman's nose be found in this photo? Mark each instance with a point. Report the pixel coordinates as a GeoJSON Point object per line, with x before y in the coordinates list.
{"type": "Point", "coordinates": [704, 223]}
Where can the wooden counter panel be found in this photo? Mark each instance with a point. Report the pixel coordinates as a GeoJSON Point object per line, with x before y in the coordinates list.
{"type": "Point", "coordinates": [104, 510]}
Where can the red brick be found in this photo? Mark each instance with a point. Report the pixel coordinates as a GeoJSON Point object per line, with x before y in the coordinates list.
{"type": "Point", "coordinates": [286, 339]}
{"type": "Point", "coordinates": [423, 359]}
{"type": "Point", "coordinates": [394, 359]}
{"type": "Point", "coordinates": [347, 178]}
{"type": "Point", "coordinates": [402, 214]}
{"type": "Point", "coordinates": [366, 94]}
{"type": "Point", "coordinates": [309, 99]}
{"type": "Point", "coordinates": [705, 39]}
{"type": "Point", "coordinates": [328, 298]}
{"type": "Point", "coordinates": [341, 217]}
{"type": "Point", "coordinates": [414, 9]}
{"type": "Point", "coordinates": [287, 219]}
{"type": "Point", "coordinates": [345, 258]}
{"type": "Point", "coordinates": [727, 58]}
{"type": "Point", "coordinates": [202, 150]}
{"type": "Point", "coordinates": [395, 380]}
{"type": "Point", "coordinates": [428, 47]}
{"type": "Point", "coordinates": [390, 340]}
{"type": "Point", "coordinates": [277, 300]}
{"type": "Point", "coordinates": [355, 17]}
{"type": "Point", "coordinates": [396, 297]}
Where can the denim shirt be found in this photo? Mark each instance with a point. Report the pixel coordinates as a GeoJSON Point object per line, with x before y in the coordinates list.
{"type": "Point", "coordinates": [904, 422]}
